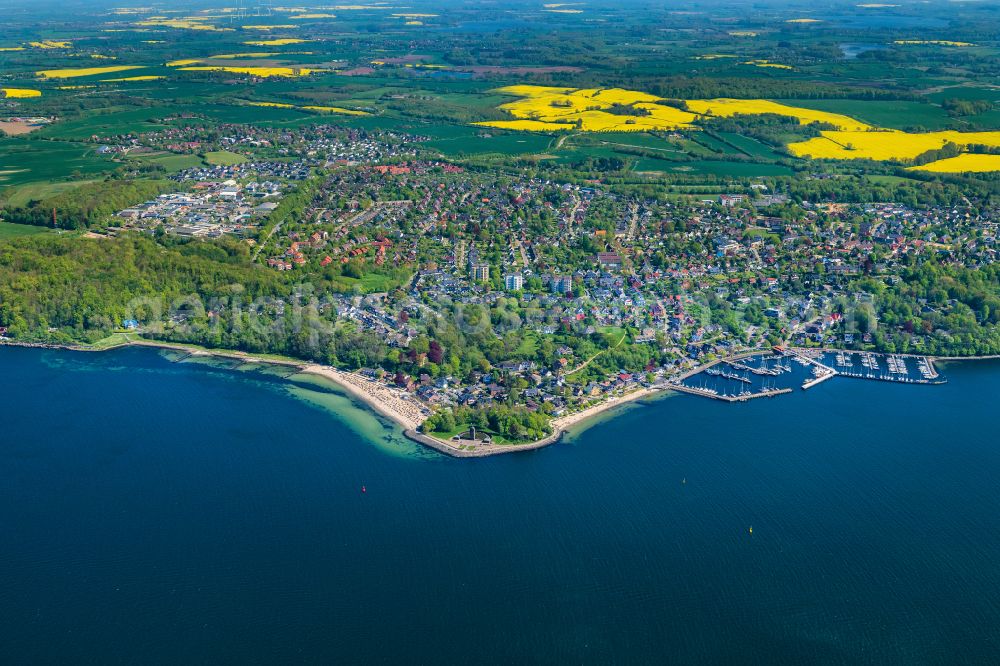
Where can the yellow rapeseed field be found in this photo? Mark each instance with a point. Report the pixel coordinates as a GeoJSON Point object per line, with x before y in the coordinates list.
{"type": "Point", "coordinates": [230, 56]}
{"type": "Point", "coordinates": [51, 44]}
{"type": "Point", "coordinates": [588, 109]}
{"type": "Point", "coordinates": [549, 108]}
{"type": "Point", "coordinates": [527, 125]}
{"type": "Point", "coordinates": [320, 109]}
{"type": "Point", "coordinates": [254, 71]}
{"type": "Point", "coordinates": [189, 23]}
{"type": "Point", "coordinates": [725, 108]}
{"type": "Point", "coordinates": [20, 93]}
{"type": "Point", "coordinates": [84, 71]}
{"type": "Point", "coordinates": [766, 63]}
{"type": "Point", "coordinates": [148, 77]}
{"type": "Point", "coordinates": [965, 163]}
{"type": "Point", "coordinates": [277, 42]}
{"type": "Point", "coordinates": [11, 48]}
{"type": "Point", "coordinates": [886, 144]}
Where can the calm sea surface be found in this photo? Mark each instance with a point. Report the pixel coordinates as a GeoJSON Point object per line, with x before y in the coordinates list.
{"type": "Point", "coordinates": [162, 512]}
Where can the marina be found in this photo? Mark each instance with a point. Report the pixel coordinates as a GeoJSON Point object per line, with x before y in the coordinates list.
{"type": "Point", "coordinates": [768, 374]}
{"type": "Point", "coordinates": [901, 368]}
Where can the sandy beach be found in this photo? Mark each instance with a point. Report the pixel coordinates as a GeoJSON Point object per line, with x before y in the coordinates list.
{"type": "Point", "coordinates": [565, 422]}
{"type": "Point", "coordinates": [392, 404]}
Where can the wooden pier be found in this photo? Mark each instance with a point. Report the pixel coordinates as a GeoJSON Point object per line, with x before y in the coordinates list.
{"type": "Point", "coordinates": [897, 370]}
{"type": "Point", "coordinates": [929, 381]}
{"type": "Point", "coordinates": [769, 393]}
{"type": "Point", "coordinates": [818, 380]}
{"type": "Point", "coordinates": [825, 372]}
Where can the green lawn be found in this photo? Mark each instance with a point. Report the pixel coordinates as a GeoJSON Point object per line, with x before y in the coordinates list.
{"type": "Point", "coordinates": [738, 169]}
{"type": "Point", "coordinates": [224, 158]}
{"type": "Point", "coordinates": [369, 283]}
{"type": "Point", "coordinates": [528, 346]}
{"type": "Point", "coordinates": [497, 439]}
{"type": "Point", "coordinates": [173, 163]}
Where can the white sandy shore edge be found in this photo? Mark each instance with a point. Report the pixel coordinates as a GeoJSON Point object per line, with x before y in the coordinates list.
{"type": "Point", "coordinates": [565, 422]}
{"type": "Point", "coordinates": [379, 397]}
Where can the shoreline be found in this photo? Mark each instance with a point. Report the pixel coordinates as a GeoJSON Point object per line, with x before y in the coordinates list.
{"type": "Point", "coordinates": [374, 396]}
{"type": "Point", "coordinates": [406, 412]}
{"type": "Point", "coordinates": [378, 398]}
{"type": "Point", "coordinates": [560, 428]}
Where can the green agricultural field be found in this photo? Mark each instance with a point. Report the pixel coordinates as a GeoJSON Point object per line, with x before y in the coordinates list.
{"type": "Point", "coordinates": [8, 230]}
{"type": "Point", "coordinates": [709, 142]}
{"type": "Point", "coordinates": [224, 158]}
{"type": "Point", "coordinates": [718, 168]}
{"type": "Point", "coordinates": [966, 92]}
{"type": "Point", "coordinates": [173, 163]}
{"type": "Point", "coordinates": [36, 160]}
{"type": "Point", "coordinates": [570, 152]}
{"type": "Point", "coordinates": [109, 122]}
{"type": "Point", "coordinates": [894, 114]}
{"type": "Point", "coordinates": [748, 145]}
{"type": "Point", "coordinates": [476, 142]}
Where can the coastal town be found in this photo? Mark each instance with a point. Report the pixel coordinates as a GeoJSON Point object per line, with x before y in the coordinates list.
{"type": "Point", "coordinates": [477, 292]}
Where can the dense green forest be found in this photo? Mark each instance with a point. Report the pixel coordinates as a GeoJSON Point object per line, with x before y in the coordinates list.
{"type": "Point", "coordinates": [955, 309]}
{"type": "Point", "coordinates": [511, 423]}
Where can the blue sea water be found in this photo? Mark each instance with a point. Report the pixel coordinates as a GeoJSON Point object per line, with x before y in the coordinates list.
{"type": "Point", "coordinates": [159, 512]}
